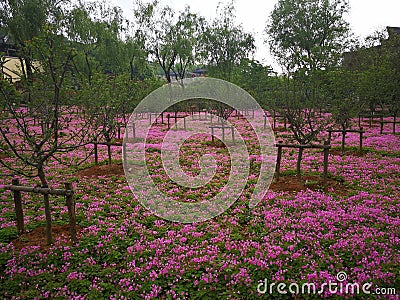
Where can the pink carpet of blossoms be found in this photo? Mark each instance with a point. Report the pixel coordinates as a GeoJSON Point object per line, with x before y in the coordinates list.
{"type": "Point", "coordinates": [125, 252]}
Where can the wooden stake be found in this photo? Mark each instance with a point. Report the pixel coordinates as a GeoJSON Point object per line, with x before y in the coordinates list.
{"type": "Point", "coordinates": [18, 208]}
{"type": "Point", "coordinates": [326, 157]}
{"type": "Point", "coordinates": [278, 161]}
{"type": "Point", "coordinates": [71, 212]}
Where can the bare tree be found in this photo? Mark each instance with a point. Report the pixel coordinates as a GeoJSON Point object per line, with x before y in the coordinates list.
{"type": "Point", "coordinates": [41, 129]}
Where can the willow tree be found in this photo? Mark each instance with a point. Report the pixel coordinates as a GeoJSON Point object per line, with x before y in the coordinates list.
{"type": "Point", "coordinates": [225, 44]}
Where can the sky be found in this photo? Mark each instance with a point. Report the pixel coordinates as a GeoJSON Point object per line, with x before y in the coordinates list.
{"type": "Point", "coordinates": [365, 16]}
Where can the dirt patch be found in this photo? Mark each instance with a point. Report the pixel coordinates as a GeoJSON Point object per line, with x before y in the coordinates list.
{"type": "Point", "coordinates": [280, 129]}
{"type": "Point", "coordinates": [105, 170]}
{"type": "Point", "coordinates": [312, 182]}
{"type": "Point", "coordinates": [37, 237]}
{"type": "Point", "coordinates": [347, 152]}
{"type": "Point", "coordinates": [285, 183]}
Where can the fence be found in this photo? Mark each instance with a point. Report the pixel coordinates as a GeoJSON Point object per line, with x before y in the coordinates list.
{"type": "Point", "coordinates": [68, 192]}
{"type": "Point", "coordinates": [325, 147]}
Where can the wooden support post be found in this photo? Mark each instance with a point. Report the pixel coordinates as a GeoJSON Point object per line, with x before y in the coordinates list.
{"type": "Point", "coordinates": [47, 212]}
{"type": "Point", "coordinates": [361, 139]}
{"type": "Point", "coordinates": [184, 123]}
{"type": "Point", "coordinates": [278, 161]}
{"type": "Point", "coordinates": [133, 132]}
{"type": "Point", "coordinates": [71, 212]}
{"type": "Point", "coordinates": [326, 157]}
{"type": "Point", "coordinates": [109, 153]}
{"type": "Point", "coordinates": [329, 136]}
{"type": "Point", "coordinates": [212, 134]}
{"type": "Point", "coordinates": [343, 139]}
{"type": "Point", "coordinates": [265, 121]}
{"type": "Point", "coordinates": [381, 126]}
{"type": "Point", "coordinates": [168, 120]}
{"type": "Point", "coordinates": [18, 208]}
{"type": "Point", "coordinates": [223, 131]}
{"type": "Point", "coordinates": [233, 134]}
{"type": "Point", "coordinates": [96, 157]}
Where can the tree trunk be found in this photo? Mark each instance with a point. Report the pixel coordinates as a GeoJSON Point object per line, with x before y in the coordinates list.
{"type": "Point", "coordinates": [299, 158]}
{"type": "Point", "coordinates": [343, 139]}
{"type": "Point", "coordinates": [89, 69]}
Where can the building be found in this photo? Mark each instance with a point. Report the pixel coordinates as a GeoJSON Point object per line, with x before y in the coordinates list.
{"type": "Point", "coordinates": [362, 58]}
{"type": "Point", "coordinates": [11, 68]}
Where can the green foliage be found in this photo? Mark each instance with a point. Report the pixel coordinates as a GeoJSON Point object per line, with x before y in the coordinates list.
{"type": "Point", "coordinates": [308, 34]}
{"type": "Point", "coordinates": [225, 44]}
{"type": "Point", "coordinates": [256, 79]}
{"type": "Point", "coordinates": [8, 94]}
{"type": "Point", "coordinates": [7, 234]}
{"type": "Point", "coordinates": [306, 37]}
{"type": "Point", "coordinates": [23, 20]}
{"type": "Point", "coordinates": [109, 98]}
{"type": "Point", "coordinates": [340, 89]}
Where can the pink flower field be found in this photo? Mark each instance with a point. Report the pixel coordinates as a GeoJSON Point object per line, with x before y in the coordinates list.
{"type": "Point", "coordinates": [290, 238]}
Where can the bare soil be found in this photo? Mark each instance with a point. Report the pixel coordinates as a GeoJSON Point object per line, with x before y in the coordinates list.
{"type": "Point", "coordinates": [347, 152]}
{"type": "Point", "coordinates": [285, 183]}
{"type": "Point", "coordinates": [312, 182]}
{"type": "Point", "coordinates": [37, 237]}
{"type": "Point", "coordinates": [105, 170]}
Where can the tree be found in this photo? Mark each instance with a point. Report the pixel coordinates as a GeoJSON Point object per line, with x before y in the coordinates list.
{"type": "Point", "coordinates": [225, 44]}
{"type": "Point", "coordinates": [42, 127]}
{"type": "Point", "coordinates": [137, 55]}
{"type": "Point", "coordinates": [256, 79]}
{"type": "Point", "coordinates": [393, 52]}
{"type": "Point", "coordinates": [171, 38]}
{"type": "Point", "coordinates": [340, 89]}
{"type": "Point", "coordinates": [24, 20]}
{"type": "Point", "coordinates": [308, 34]}
{"type": "Point", "coordinates": [306, 37]}
{"type": "Point", "coordinates": [161, 36]}
{"type": "Point", "coordinates": [377, 62]}
{"type": "Point", "coordinates": [96, 31]}
{"type": "Point", "coordinates": [83, 32]}
{"type": "Point", "coordinates": [188, 28]}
